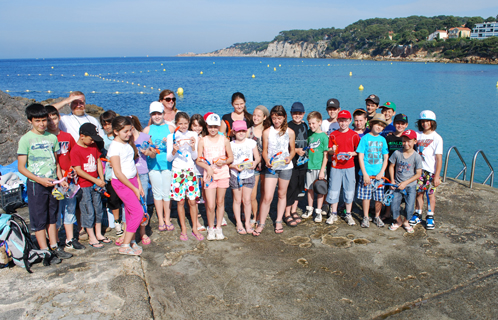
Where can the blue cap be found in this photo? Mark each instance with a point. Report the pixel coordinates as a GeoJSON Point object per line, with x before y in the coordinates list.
{"type": "Point", "coordinates": [297, 107]}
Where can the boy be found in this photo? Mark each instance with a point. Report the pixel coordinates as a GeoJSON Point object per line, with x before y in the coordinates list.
{"type": "Point", "coordinates": [388, 109]}
{"type": "Point", "coordinates": [296, 183]}
{"type": "Point", "coordinates": [85, 160]}
{"type": "Point", "coordinates": [67, 206]}
{"type": "Point", "coordinates": [343, 173]}
{"type": "Point", "coordinates": [405, 168]}
{"type": "Point", "coordinates": [329, 125]}
{"type": "Point", "coordinates": [317, 164]}
{"type": "Point", "coordinates": [430, 147]}
{"type": "Point", "coordinates": [372, 104]}
{"type": "Point", "coordinates": [360, 122]}
{"type": "Point", "coordinates": [36, 157]}
{"type": "Point", "coordinates": [372, 157]}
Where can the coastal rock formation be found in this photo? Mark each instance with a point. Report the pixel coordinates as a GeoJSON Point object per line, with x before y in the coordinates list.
{"type": "Point", "coordinates": [13, 122]}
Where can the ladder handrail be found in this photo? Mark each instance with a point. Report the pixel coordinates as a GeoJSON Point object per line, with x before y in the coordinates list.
{"type": "Point", "coordinates": [464, 170]}
{"type": "Point", "coordinates": [490, 175]}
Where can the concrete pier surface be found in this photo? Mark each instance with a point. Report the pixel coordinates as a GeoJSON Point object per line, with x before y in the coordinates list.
{"type": "Point", "coordinates": [313, 271]}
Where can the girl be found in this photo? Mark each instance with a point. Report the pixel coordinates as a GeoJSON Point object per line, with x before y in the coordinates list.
{"type": "Point", "coordinates": [181, 146]}
{"type": "Point", "coordinates": [125, 182]}
{"type": "Point", "coordinates": [239, 113]}
{"type": "Point", "coordinates": [168, 99]}
{"type": "Point", "coordinates": [278, 145]}
{"type": "Point", "coordinates": [141, 163]}
{"type": "Point", "coordinates": [430, 147]}
{"type": "Point", "coordinates": [159, 167]}
{"type": "Point", "coordinates": [198, 125]}
{"type": "Point", "coordinates": [216, 150]}
{"type": "Point", "coordinates": [242, 179]}
{"type": "Point", "coordinates": [261, 122]}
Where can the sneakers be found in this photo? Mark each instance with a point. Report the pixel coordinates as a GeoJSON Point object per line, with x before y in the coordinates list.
{"type": "Point", "coordinates": [318, 217]}
{"type": "Point", "coordinates": [378, 222]}
{"type": "Point", "coordinates": [429, 222]}
{"type": "Point", "coordinates": [118, 228]}
{"type": "Point", "coordinates": [54, 259]}
{"type": "Point", "coordinates": [414, 220]}
{"type": "Point", "coordinates": [349, 219]}
{"type": "Point", "coordinates": [74, 244]}
{"type": "Point", "coordinates": [365, 223]}
{"type": "Point", "coordinates": [219, 234]}
{"type": "Point", "coordinates": [308, 213]}
{"type": "Point", "coordinates": [332, 218]}
{"type": "Point", "coordinates": [223, 222]}
{"type": "Point", "coordinates": [60, 253]}
{"type": "Point", "coordinates": [210, 235]}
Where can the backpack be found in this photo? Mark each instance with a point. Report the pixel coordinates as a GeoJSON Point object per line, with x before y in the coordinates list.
{"type": "Point", "coordinates": [16, 239]}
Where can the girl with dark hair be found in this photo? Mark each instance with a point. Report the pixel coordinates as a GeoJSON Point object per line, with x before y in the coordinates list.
{"type": "Point", "coordinates": [239, 113]}
{"type": "Point", "coordinates": [198, 125]}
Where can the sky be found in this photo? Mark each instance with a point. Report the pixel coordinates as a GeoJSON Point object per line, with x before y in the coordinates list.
{"type": "Point", "coordinates": [110, 28]}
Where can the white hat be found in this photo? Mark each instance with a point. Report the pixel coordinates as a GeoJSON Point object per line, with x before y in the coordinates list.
{"type": "Point", "coordinates": [156, 106]}
{"type": "Point", "coordinates": [213, 120]}
{"type": "Point", "coordinates": [427, 115]}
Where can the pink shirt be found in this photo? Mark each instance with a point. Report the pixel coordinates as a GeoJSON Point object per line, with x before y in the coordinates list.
{"type": "Point", "coordinates": [213, 150]}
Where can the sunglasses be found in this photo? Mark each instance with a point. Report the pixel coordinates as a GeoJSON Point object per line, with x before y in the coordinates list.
{"type": "Point", "coordinates": [170, 99]}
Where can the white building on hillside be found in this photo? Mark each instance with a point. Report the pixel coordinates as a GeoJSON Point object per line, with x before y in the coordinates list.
{"type": "Point", "coordinates": [438, 34]}
{"type": "Point", "coordinates": [484, 30]}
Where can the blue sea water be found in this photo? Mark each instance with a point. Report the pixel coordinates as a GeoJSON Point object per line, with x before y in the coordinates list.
{"type": "Point", "coordinates": [463, 96]}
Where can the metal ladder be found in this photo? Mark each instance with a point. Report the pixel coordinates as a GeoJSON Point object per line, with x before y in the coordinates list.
{"type": "Point", "coordinates": [464, 169]}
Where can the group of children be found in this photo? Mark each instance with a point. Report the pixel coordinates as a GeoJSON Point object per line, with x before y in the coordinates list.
{"type": "Point", "coordinates": [195, 159]}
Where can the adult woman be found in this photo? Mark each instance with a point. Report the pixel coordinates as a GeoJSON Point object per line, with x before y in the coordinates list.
{"type": "Point", "coordinates": [168, 99]}
{"type": "Point", "coordinates": [239, 113]}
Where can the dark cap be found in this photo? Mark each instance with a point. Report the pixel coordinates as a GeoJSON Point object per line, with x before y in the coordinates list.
{"type": "Point", "coordinates": [374, 98]}
{"type": "Point", "coordinates": [358, 111]}
{"type": "Point", "coordinates": [320, 186]}
{"type": "Point", "coordinates": [297, 107]}
{"type": "Point", "coordinates": [400, 117]}
{"type": "Point", "coordinates": [333, 103]}
{"type": "Point", "coordinates": [89, 129]}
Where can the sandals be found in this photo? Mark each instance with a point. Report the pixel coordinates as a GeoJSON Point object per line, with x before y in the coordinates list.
{"type": "Point", "coordinates": [201, 228]}
{"type": "Point", "coordinates": [145, 240]}
{"type": "Point", "coordinates": [278, 230]}
{"type": "Point", "coordinates": [199, 236]}
{"type": "Point", "coordinates": [289, 220]}
{"type": "Point", "coordinates": [249, 229]}
{"type": "Point", "coordinates": [296, 217]}
{"type": "Point", "coordinates": [241, 231]}
{"type": "Point", "coordinates": [170, 227]}
{"type": "Point", "coordinates": [258, 233]}
{"type": "Point", "coordinates": [96, 245]}
{"type": "Point", "coordinates": [183, 237]}
{"type": "Point", "coordinates": [394, 227]}
{"type": "Point", "coordinates": [105, 240]}
{"type": "Point", "coordinates": [119, 242]}
{"type": "Point", "coordinates": [162, 227]}
{"type": "Point", "coordinates": [409, 229]}
{"type": "Point", "coordinates": [126, 249]}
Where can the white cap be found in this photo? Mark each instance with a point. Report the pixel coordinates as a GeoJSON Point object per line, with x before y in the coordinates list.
{"type": "Point", "coordinates": [427, 115]}
{"type": "Point", "coordinates": [156, 106]}
{"type": "Point", "coordinates": [213, 120]}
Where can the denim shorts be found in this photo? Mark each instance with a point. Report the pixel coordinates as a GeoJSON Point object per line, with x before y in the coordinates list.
{"type": "Point", "coordinates": [67, 209]}
{"type": "Point", "coordinates": [248, 183]}
{"type": "Point", "coordinates": [344, 178]}
{"type": "Point", "coordinates": [281, 174]}
{"type": "Point", "coordinates": [90, 207]}
{"type": "Point", "coordinates": [411, 195]}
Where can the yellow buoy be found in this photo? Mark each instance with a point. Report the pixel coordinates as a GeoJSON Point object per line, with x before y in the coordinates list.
{"type": "Point", "coordinates": [202, 72]}
{"type": "Point", "coordinates": [49, 91]}
{"type": "Point", "coordinates": [179, 91]}
{"type": "Point", "coordinates": [152, 88]}
{"type": "Point", "coordinates": [141, 92]}
{"type": "Point", "coordinates": [328, 65]}
{"type": "Point", "coordinates": [279, 65]}
{"type": "Point", "coordinates": [255, 77]}
{"type": "Point", "coordinates": [268, 66]}
{"type": "Point", "coordinates": [360, 87]}
{"type": "Point", "coordinates": [274, 69]}
{"type": "Point", "coordinates": [27, 90]}
{"type": "Point", "coordinates": [7, 91]}
{"type": "Point", "coordinates": [213, 62]}
{"type": "Point", "coordinates": [52, 67]}
{"type": "Point", "coordinates": [391, 63]}
{"type": "Point", "coordinates": [497, 84]}
{"type": "Point", "coordinates": [161, 64]}
{"type": "Point", "coordinates": [93, 91]}
{"type": "Point", "coordinates": [164, 69]}
{"type": "Point", "coordinates": [350, 73]}
{"type": "Point", "coordinates": [117, 92]}
{"type": "Point", "coordinates": [144, 86]}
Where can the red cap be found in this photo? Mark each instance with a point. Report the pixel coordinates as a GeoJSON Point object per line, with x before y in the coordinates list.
{"type": "Point", "coordinates": [344, 114]}
{"type": "Point", "coordinates": [410, 134]}
{"type": "Point", "coordinates": [207, 115]}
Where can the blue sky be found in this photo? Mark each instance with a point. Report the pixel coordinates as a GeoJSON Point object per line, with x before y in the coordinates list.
{"type": "Point", "coordinates": [91, 28]}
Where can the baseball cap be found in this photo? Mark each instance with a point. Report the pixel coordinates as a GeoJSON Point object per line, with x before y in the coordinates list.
{"type": "Point", "coordinates": [400, 117]}
{"type": "Point", "coordinates": [156, 106]}
{"type": "Point", "coordinates": [320, 186]}
{"type": "Point", "coordinates": [410, 134]}
{"type": "Point", "coordinates": [379, 117]}
{"type": "Point", "coordinates": [344, 114]}
{"type": "Point", "coordinates": [358, 111]}
{"type": "Point", "coordinates": [333, 103]}
{"type": "Point", "coordinates": [297, 107]}
{"type": "Point", "coordinates": [427, 115]}
{"type": "Point", "coordinates": [206, 115]}
{"type": "Point", "coordinates": [213, 120]}
{"type": "Point", "coordinates": [390, 105]}
{"type": "Point", "coordinates": [89, 129]}
{"type": "Point", "coordinates": [239, 125]}
{"type": "Point", "coordinates": [374, 98]}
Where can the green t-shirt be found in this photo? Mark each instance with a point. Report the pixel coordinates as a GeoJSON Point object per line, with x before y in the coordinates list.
{"type": "Point", "coordinates": [40, 151]}
{"type": "Point", "coordinates": [319, 142]}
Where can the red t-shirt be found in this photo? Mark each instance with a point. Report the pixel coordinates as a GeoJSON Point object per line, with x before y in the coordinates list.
{"type": "Point", "coordinates": [87, 159]}
{"type": "Point", "coordinates": [346, 142]}
{"type": "Point", "coordinates": [66, 144]}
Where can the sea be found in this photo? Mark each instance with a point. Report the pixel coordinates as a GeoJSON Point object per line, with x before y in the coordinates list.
{"type": "Point", "coordinates": [463, 96]}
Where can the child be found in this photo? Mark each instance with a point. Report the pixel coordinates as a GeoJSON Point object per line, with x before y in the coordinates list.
{"type": "Point", "coordinates": [158, 165]}
{"type": "Point", "coordinates": [317, 164]}
{"type": "Point", "coordinates": [388, 109]}
{"type": "Point", "coordinates": [85, 161]}
{"type": "Point", "coordinates": [36, 157]}
{"type": "Point", "coordinates": [242, 179]}
{"type": "Point", "coordinates": [278, 145]}
{"type": "Point", "coordinates": [198, 125]}
{"type": "Point", "coordinates": [346, 142]}
{"type": "Point", "coordinates": [406, 168]}
{"type": "Point", "coordinates": [372, 157]}
{"type": "Point", "coordinates": [122, 154]}
{"type": "Point", "coordinates": [430, 147]}
{"type": "Point", "coordinates": [372, 104]}
{"type": "Point", "coordinates": [296, 184]}
{"type": "Point", "coordinates": [333, 108]}
{"type": "Point", "coordinates": [215, 148]}
{"type": "Point", "coordinates": [360, 122]}
{"type": "Point", "coordinates": [182, 152]}
{"type": "Point", "coordinates": [67, 206]}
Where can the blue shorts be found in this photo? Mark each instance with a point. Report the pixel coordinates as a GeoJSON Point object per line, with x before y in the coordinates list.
{"type": "Point", "coordinates": [367, 192]}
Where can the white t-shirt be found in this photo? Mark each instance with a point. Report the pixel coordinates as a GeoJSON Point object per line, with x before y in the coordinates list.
{"type": "Point", "coordinates": [428, 146]}
{"type": "Point", "coordinates": [242, 151]}
{"type": "Point", "coordinates": [329, 127]}
{"type": "Point", "coordinates": [126, 157]}
{"type": "Point", "coordinates": [71, 124]}
{"type": "Point", "coordinates": [186, 159]}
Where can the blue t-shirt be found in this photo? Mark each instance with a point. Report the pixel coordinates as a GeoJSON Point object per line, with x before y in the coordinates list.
{"type": "Point", "coordinates": [373, 149]}
{"type": "Point", "coordinates": [389, 128]}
